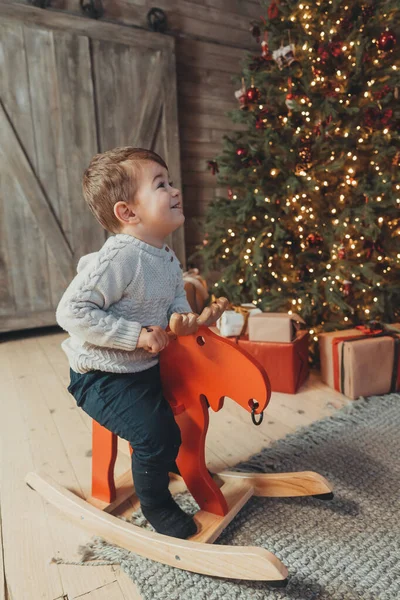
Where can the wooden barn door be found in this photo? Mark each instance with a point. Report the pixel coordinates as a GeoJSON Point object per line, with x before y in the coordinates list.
{"type": "Point", "coordinates": [69, 88]}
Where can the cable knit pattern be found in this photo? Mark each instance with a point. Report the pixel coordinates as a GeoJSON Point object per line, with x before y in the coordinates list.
{"type": "Point", "coordinates": [125, 286]}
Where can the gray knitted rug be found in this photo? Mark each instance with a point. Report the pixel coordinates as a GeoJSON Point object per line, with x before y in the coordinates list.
{"type": "Point", "coordinates": [346, 549]}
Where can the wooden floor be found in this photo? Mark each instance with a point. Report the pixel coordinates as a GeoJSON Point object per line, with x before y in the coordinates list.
{"type": "Point", "coordinates": [41, 428]}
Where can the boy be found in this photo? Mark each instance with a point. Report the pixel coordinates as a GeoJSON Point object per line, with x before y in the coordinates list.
{"type": "Point", "coordinates": [116, 311]}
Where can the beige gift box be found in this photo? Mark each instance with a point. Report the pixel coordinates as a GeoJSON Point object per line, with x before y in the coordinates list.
{"type": "Point", "coordinates": [361, 367]}
{"type": "Point", "coordinates": [274, 327]}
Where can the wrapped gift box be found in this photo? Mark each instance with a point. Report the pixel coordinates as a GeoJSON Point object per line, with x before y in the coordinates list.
{"type": "Point", "coordinates": [234, 323]}
{"type": "Point", "coordinates": [230, 323]}
{"type": "Point", "coordinates": [286, 364]}
{"type": "Point", "coordinates": [357, 363]}
{"type": "Point", "coordinates": [274, 327]}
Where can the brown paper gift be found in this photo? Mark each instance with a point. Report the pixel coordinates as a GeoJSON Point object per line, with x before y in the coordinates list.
{"type": "Point", "coordinates": [274, 327]}
{"type": "Point", "coordinates": [357, 363]}
{"type": "Point", "coordinates": [196, 290]}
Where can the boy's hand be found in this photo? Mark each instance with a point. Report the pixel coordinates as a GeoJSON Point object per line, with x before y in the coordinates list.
{"type": "Point", "coordinates": [153, 339]}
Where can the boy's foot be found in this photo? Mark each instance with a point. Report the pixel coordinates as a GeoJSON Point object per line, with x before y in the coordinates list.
{"type": "Point", "coordinates": [170, 519]}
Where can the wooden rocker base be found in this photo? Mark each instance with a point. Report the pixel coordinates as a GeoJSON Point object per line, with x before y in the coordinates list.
{"type": "Point", "coordinates": [196, 554]}
{"type": "Point", "coordinates": [198, 372]}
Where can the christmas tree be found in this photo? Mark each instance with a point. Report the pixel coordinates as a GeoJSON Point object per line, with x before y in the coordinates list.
{"type": "Point", "coordinates": [310, 219]}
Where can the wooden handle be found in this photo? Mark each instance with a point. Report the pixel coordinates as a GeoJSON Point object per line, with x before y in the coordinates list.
{"type": "Point", "coordinates": [187, 324]}
{"type": "Point", "coordinates": [183, 324]}
{"type": "Point", "coordinates": [212, 313]}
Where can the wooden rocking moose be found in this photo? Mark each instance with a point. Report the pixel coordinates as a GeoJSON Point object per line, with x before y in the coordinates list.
{"type": "Point", "coordinates": [199, 369]}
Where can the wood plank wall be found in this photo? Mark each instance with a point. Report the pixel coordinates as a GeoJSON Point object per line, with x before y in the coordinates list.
{"type": "Point", "coordinates": [212, 37]}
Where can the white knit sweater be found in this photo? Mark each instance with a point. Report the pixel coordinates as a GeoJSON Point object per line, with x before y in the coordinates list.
{"type": "Point", "coordinates": [125, 286]}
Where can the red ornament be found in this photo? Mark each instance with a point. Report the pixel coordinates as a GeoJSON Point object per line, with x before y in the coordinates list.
{"type": "Point", "coordinates": [387, 41]}
{"type": "Point", "coordinates": [273, 10]}
{"type": "Point", "coordinates": [317, 129]}
{"type": "Point", "coordinates": [387, 116]}
{"type": "Point", "coordinates": [253, 94]}
{"type": "Point", "coordinates": [240, 95]}
{"type": "Point", "coordinates": [382, 92]}
{"type": "Point", "coordinates": [230, 193]}
{"type": "Point", "coordinates": [314, 240]}
{"type": "Point", "coordinates": [260, 123]}
{"type": "Point", "coordinates": [265, 53]}
{"type": "Point", "coordinates": [342, 252]}
{"type": "Point", "coordinates": [335, 48]}
{"type": "Point", "coordinates": [323, 53]}
{"type": "Point", "coordinates": [371, 116]}
{"type": "Point", "coordinates": [347, 287]}
{"type": "Point", "coordinates": [374, 117]}
{"type": "Point", "coordinates": [213, 165]}
{"type": "Point", "coordinates": [316, 72]}
{"type": "Point", "coordinates": [241, 152]}
{"type": "Point", "coordinates": [261, 119]}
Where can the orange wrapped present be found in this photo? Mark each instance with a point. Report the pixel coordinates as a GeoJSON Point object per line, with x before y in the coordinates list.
{"type": "Point", "coordinates": [361, 361]}
{"type": "Point", "coordinates": [286, 364]}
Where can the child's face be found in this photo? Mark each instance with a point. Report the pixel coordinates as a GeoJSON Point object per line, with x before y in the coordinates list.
{"type": "Point", "coordinates": [158, 204]}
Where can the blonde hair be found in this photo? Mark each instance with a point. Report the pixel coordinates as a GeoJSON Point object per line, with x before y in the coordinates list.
{"type": "Point", "coordinates": [107, 180]}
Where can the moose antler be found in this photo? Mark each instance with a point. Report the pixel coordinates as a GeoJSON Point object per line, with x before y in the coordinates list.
{"type": "Point", "coordinates": [213, 312]}
{"type": "Point", "coordinates": [186, 324]}
{"type": "Point", "coordinates": [183, 324]}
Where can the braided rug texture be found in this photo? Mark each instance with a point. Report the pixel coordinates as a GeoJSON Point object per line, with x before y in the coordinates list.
{"type": "Point", "coordinates": [345, 549]}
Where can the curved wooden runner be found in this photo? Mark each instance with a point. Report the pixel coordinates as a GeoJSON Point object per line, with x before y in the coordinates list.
{"type": "Point", "coordinates": [234, 562]}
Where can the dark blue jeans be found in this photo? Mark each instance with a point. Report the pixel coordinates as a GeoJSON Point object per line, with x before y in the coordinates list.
{"type": "Point", "coordinates": [133, 406]}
